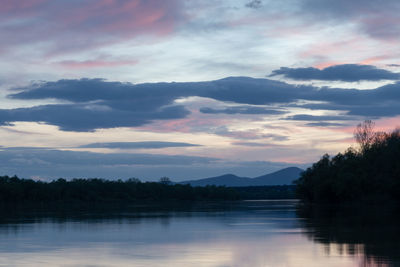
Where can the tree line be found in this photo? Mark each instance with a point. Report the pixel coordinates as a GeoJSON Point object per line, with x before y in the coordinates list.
{"type": "Point", "coordinates": [370, 173]}
{"type": "Point", "coordinates": [14, 189]}
{"type": "Point", "coordinates": [18, 190]}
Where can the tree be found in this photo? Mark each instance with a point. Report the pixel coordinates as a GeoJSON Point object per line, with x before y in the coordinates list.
{"type": "Point", "coordinates": [365, 134]}
{"type": "Point", "coordinates": [165, 180]}
{"type": "Point", "coordinates": [134, 180]}
{"type": "Point", "coordinates": [371, 174]}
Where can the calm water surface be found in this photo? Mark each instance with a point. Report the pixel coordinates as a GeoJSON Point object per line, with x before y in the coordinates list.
{"type": "Point", "coordinates": [248, 233]}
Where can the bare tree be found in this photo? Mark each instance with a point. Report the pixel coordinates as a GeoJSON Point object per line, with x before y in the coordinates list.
{"type": "Point", "coordinates": [365, 134]}
{"type": "Point", "coordinates": [165, 180]}
{"type": "Point", "coordinates": [134, 180]}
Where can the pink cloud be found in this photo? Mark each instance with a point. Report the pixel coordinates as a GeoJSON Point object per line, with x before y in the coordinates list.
{"type": "Point", "coordinates": [9, 6]}
{"type": "Point", "coordinates": [383, 124]}
{"type": "Point", "coordinates": [388, 124]}
{"type": "Point", "coordinates": [198, 124]}
{"type": "Point", "coordinates": [121, 16]}
{"type": "Point", "coordinates": [79, 25]}
{"type": "Point", "coordinates": [329, 53]}
{"type": "Point", "coordinates": [377, 59]}
{"type": "Point", "coordinates": [73, 64]}
{"type": "Point", "coordinates": [382, 25]}
{"type": "Point", "coordinates": [181, 125]}
{"type": "Point", "coordinates": [194, 123]}
{"type": "Point", "coordinates": [324, 65]}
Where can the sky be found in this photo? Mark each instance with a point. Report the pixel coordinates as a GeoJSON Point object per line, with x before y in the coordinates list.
{"type": "Point", "coordinates": [189, 88]}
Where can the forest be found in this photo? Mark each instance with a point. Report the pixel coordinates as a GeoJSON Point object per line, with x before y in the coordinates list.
{"type": "Point", "coordinates": [17, 190]}
{"type": "Point", "coordinates": [14, 189]}
{"type": "Point", "coordinates": [370, 173]}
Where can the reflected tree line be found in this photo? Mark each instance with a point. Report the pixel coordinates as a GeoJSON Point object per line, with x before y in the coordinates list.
{"type": "Point", "coordinates": [267, 192]}
{"type": "Point", "coordinates": [370, 233]}
{"type": "Point", "coordinates": [368, 174]}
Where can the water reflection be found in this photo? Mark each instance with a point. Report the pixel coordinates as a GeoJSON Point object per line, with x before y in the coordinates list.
{"type": "Point", "coordinates": [269, 233]}
{"type": "Point", "coordinates": [370, 233]}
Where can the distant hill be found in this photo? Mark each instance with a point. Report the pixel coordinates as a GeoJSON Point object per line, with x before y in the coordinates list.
{"type": "Point", "coordinates": [282, 177]}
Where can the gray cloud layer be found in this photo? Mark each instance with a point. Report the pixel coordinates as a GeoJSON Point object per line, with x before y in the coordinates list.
{"type": "Point", "coordinates": [96, 103]}
{"type": "Point", "coordinates": [375, 18]}
{"type": "Point", "coordinates": [345, 72]}
{"type": "Point", "coordinates": [51, 157]}
{"type": "Point", "coordinates": [138, 145]}
{"type": "Point", "coordinates": [241, 110]}
{"type": "Point", "coordinates": [305, 117]}
{"type": "Point", "coordinates": [51, 163]}
{"type": "Point", "coordinates": [79, 117]}
{"type": "Point", "coordinates": [324, 124]}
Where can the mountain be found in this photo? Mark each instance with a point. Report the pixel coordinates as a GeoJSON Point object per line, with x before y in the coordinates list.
{"type": "Point", "coordinates": [226, 179]}
{"type": "Point", "coordinates": [284, 176]}
{"type": "Point", "coordinates": [281, 177]}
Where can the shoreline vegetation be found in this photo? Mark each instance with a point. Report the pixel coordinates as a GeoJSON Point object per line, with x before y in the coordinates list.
{"type": "Point", "coordinates": [367, 175]}
{"type": "Point", "coordinates": [16, 190]}
{"type": "Point", "coordinates": [132, 191]}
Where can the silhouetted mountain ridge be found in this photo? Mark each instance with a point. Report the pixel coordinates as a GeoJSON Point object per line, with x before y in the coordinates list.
{"type": "Point", "coordinates": [282, 177]}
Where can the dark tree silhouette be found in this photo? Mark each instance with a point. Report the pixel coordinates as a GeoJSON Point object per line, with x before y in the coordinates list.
{"type": "Point", "coordinates": [370, 174]}
{"type": "Point", "coordinates": [364, 134]}
{"type": "Point", "coordinates": [14, 189]}
{"type": "Point", "coordinates": [165, 180]}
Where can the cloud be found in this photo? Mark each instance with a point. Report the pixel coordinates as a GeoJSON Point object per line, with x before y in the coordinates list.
{"type": "Point", "coordinates": [138, 145]}
{"type": "Point", "coordinates": [246, 135]}
{"type": "Point", "coordinates": [116, 95]}
{"type": "Point", "coordinates": [76, 26]}
{"type": "Point", "coordinates": [250, 134]}
{"type": "Point", "coordinates": [86, 118]}
{"type": "Point", "coordinates": [251, 144]}
{"type": "Point", "coordinates": [373, 103]}
{"type": "Point", "coordinates": [98, 63]}
{"type": "Point", "coordinates": [241, 110]}
{"type": "Point", "coordinates": [52, 157]}
{"type": "Point", "coordinates": [52, 163]}
{"type": "Point", "coordinates": [376, 111]}
{"type": "Point", "coordinates": [96, 103]}
{"type": "Point", "coordinates": [345, 72]}
{"type": "Point", "coordinates": [255, 4]}
{"type": "Point", "coordinates": [305, 117]}
{"type": "Point", "coordinates": [375, 18]}
{"type": "Point", "coordinates": [325, 124]}
{"type": "Point", "coordinates": [20, 6]}
{"type": "Point", "coordinates": [276, 137]}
